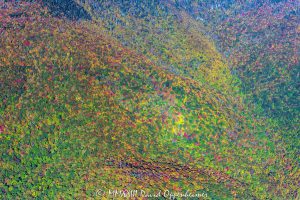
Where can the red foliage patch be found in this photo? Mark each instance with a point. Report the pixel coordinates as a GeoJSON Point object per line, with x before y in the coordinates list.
{"type": "Point", "coordinates": [26, 43]}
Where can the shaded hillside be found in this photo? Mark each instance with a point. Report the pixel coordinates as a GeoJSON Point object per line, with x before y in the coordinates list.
{"type": "Point", "coordinates": [263, 45]}
{"type": "Point", "coordinates": [67, 8]}
{"type": "Point", "coordinates": [260, 40]}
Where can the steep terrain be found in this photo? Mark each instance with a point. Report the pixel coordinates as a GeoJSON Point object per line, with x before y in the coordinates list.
{"type": "Point", "coordinates": [260, 40]}
{"type": "Point", "coordinates": [128, 100]}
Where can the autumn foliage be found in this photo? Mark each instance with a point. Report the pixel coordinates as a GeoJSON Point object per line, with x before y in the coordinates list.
{"type": "Point", "coordinates": [127, 101]}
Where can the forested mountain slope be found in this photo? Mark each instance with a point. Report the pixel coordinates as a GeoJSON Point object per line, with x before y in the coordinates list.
{"type": "Point", "coordinates": [260, 40]}
{"type": "Point", "coordinates": [135, 96]}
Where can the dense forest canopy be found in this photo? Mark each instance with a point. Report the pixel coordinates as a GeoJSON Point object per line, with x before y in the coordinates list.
{"type": "Point", "coordinates": [152, 95]}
